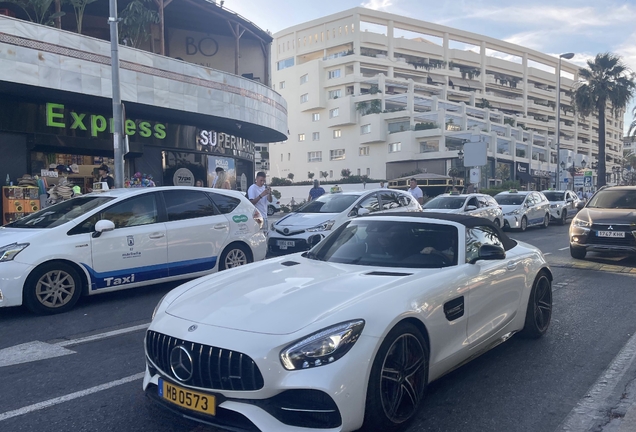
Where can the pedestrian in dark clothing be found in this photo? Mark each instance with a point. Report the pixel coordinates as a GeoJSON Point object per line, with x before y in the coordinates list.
{"type": "Point", "coordinates": [315, 191]}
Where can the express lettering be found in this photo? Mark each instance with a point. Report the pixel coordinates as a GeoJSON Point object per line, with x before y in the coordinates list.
{"type": "Point", "coordinates": [113, 281]}
{"type": "Point", "coordinates": [97, 123]}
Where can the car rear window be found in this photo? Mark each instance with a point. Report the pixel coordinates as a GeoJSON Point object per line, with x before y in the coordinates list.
{"type": "Point", "coordinates": [224, 203]}
{"type": "Point", "coordinates": [187, 204]}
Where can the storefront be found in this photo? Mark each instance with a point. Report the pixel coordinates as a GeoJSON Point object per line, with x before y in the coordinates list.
{"type": "Point", "coordinates": [35, 136]}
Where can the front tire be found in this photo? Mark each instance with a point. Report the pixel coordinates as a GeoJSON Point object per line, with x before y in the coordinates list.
{"type": "Point", "coordinates": [564, 217]}
{"type": "Point", "coordinates": [539, 311]}
{"type": "Point", "coordinates": [52, 288]}
{"type": "Point", "coordinates": [398, 380]}
{"type": "Point", "coordinates": [235, 255]}
{"type": "Point", "coordinates": [270, 210]}
{"type": "Point", "coordinates": [577, 253]}
{"type": "Point", "coordinates": [524, 224]}
{"type": "Point", "coordinates": [546, 221]}
{"type": "Point", "coordinates": [497, 223]}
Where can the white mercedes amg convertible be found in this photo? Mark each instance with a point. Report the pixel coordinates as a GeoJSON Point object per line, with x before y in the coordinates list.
{"type": "Point", "coordinates": [349, 334]}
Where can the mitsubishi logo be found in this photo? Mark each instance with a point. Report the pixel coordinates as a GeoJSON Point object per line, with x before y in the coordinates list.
{"type": "Point", "coordinates": [181, 363]}
{"type": "Point", "coordinates": [610, 227]}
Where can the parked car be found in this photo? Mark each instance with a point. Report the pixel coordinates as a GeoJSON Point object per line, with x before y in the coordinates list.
{"type": "Point", "coordinates": [328, 212]}
{"type": "Point", "coordinates": [562, 204]}
{"type": "Point", "coordinates": [273, 207]}
{"type": "Point", "coordinates": [124, 238]}
{"type": "Point", "coordinates": [606, 223]}
{"type": "Point", "coordinates": [349, 334]}
{"type": "Point", "coordinates": [523, 209]}
{"type": "Point", "coordinates": [474, 204]}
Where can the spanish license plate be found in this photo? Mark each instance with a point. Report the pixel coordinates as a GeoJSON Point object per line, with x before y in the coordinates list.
{"type": "Point", "coordinates": [284, 244]}
{"type": "Point", "coordinates": [187, 398]}
{"type": "Point", "coordinates": [620, 234]}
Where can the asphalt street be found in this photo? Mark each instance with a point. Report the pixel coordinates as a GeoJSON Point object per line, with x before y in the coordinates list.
{"type": "Point", "coordinates": [578, 377]}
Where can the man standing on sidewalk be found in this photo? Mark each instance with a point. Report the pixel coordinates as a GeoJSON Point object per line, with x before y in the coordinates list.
{"type": "Point", "coordinates": [260, 195]}
{"type": "Point", "coordinates": [415, 191]}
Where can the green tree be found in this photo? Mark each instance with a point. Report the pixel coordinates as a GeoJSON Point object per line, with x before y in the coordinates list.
{"type": "Point", "coordinates": [345, 172]}
{"type": "Point", "coordinates": [290, 176]}
{"type": "Point", "coordinates": [80, 6]}
{"type": "Point", "coordinates": [38, 11]}
{"type": "Point", "coordinates": [324, 174]}
{"type": "Point", "coordinates": [605, 80]}
{"type": "Point", "coordinates": [310, 175]}
{"type": "Point", "coordinates": [135, 21]}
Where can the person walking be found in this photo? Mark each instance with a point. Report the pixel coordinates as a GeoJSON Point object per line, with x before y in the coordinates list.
{"type": "Point", "coordinates": [104, 176]}
{"type": "Point", "coordinates": [217, 170]}
{"type": "Point", "coordinates": [315, 191]}
{"type": "Point", "coordinates": [260, 195]}
{"type": "Point", "coordinates": [415, 191]}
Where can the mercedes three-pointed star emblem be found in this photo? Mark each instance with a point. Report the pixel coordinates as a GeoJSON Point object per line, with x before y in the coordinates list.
{"type": "Point", "coordinates": [181, 363]}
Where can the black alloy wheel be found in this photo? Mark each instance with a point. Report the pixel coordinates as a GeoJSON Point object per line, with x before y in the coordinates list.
{"type": "Point", "coordinates": [398, 380]}
{"type": "Point", "coordinates": [539, 311]}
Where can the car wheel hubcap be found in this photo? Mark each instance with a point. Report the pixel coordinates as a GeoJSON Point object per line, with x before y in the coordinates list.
{"type": "Point", "coordinates": [543, 304]}
{"type": "Point", "coordinates": [55, 288]}
{"type": "Point", "coordinates": [235, 258]}
{"type": "Point", "coordinates": [403, 378]}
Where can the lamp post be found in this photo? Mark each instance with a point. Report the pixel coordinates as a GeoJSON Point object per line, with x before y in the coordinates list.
{"type": "Point", "coordinates": [566, 56]}
{"type": "Point", "coordinates": [118, 119]}
{"type": "Point", "coordinates": [617, 171]}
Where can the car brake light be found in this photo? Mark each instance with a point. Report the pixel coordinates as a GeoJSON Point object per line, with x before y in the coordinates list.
{"type": "Point", "coordinates": [258, 218]}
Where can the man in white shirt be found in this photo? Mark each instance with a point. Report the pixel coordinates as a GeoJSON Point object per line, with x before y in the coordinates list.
{"type": "Point", "coordinates": [260, 195]}
{"type": "Point", "coordinates": [415, 191]}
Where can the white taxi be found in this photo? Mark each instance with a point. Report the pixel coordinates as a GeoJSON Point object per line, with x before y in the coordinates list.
{"type": "Point", "coordinates": [475, 204]}
{"type": "Point", "coordinates": [326, 213]}
{"type": "Point", "coordinates": [524, 208]}
{"type": "Point", "coordinates": [124, 238]}
{"type": "Point", "coordinates": [562, 204]}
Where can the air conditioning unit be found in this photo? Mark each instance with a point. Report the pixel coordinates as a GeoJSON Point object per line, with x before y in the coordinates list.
{"type": "Point", "coordinates": [7, 12]}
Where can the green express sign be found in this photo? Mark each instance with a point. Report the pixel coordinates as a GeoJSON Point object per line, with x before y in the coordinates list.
{"type": "Point", "coordinates": [96, 125]}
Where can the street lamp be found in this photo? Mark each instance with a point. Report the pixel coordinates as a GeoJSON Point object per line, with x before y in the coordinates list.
{"type": "Point", "coordinates": [566, 56]}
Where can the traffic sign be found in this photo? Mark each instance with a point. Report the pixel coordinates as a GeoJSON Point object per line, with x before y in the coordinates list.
{"type": "Point", "coordinates": [566, 180]}
{"type": "Point", "coordinates": [587, 181]}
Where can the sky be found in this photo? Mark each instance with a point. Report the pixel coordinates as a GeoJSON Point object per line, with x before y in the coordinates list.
{"type": "Point", "coordinates": [584, 27]}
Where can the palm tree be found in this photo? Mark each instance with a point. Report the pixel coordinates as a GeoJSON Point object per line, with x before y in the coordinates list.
{"type": "Point", "coordinates": [605, 80]}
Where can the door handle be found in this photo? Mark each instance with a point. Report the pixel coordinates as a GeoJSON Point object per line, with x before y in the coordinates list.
{"type": "Point", "coordinates": [511, 265]}
{"type": "Point", "coordinates": [220, 226]}
{"type": "Point", "coordinates": [156, 235]}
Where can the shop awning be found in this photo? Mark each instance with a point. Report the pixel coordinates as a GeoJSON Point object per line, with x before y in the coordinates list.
{"type": "Point", "coordinates": [525, 177]}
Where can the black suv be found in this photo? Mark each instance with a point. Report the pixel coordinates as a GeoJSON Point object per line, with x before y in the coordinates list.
{"type": "Point", "coordinates": [607, 223]}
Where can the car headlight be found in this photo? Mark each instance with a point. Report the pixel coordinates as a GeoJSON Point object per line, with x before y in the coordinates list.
{"type": "Point", "coordinates": [325, 226]}
{"type": "Point", "coordinates": [323, 347]}
{"type": "Point", "coordinates": [514, 212]}
{"type": "Point", "coordinates": [554, 205]}
{"type": "Point", "coordinates": [581, 223]}
{"type": "Point", "coordinates": [154, 312]}
{"type": "Point", "coordinates": [8, 252]}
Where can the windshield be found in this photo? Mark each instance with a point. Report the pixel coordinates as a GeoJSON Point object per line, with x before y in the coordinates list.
{"type": "Point", "coordinates": [390, 244]}
{"type": "Point", "coordinates": [445, 203]}
{"type": "Point", "coordinates": [60, 213]}
{"type": "Point", "coordinates": [554, 196]}
{"type": "Point", "coordinates": [614, 199]}
{"type": "Point", "coordinates": [329, 203]}
{"type": "Point", "coordinates": [510, 199]}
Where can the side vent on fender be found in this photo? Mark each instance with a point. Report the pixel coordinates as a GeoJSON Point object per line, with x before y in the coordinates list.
{"type": "Point", "coordinates": [454, 309]}
{"type": "Point", "coordinates": [289, 263]}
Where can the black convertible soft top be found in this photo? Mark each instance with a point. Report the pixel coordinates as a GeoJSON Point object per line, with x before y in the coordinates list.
{"type": "Point", "coordinates": [466, 220]}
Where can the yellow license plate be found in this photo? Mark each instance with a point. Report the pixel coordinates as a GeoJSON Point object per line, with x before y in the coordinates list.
{"type": "Point", "coordinates": [187, 398]}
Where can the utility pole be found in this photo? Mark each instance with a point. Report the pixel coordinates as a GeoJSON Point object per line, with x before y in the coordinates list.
{"type": "Point", "coordinates": [118, 119]}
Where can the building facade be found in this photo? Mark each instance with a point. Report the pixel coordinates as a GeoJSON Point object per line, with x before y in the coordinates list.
{"type": "Point", "coordinates": [386, 96]}
{"type": "Point", "coordinates": [196, 95]}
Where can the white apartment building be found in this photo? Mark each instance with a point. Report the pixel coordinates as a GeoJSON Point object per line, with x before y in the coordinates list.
{"type": "Point", "coordinates": [384, 96]}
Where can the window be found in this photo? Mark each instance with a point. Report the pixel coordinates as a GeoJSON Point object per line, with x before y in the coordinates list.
{"type": "Point", "coordinates": [281, 157]}
{"type": "Point", "coordinates": [395, 147]}
{"type": "Point", "coordinates": [288, 156]}
{"type": "Point", "coordinates": [334, 112]}
{"type": "Point", "coordinates": [338, 154]}
{"type": "Point", "coordinates": [281, 85]}
{"type": "Point", "coordinates": [304, 79]}
{"type": "Point", "coordinates": [365, 129]}
{"type": "Point", "coordinates": [141, 210]}
{"type": "Point", "coordinates": [335, 94]}
{"type": "Point", "coordinates": [315, 117]}
{"type": "Point", "coordinates": [477, 236]}
{"type": "Point", "coordinates": [301, 137]}
{"type": "Point", "coordinates": [315, 136]}
{"type": "Point", "coordinates": [358, 172]}
{"type": "Point", "coordinates": [370, 203]}
{"type": "Point", "coordinates": [284, 64]}
{"type": "Point", "coordinates": [330, 173]}
{"type": "Point", "coordinates": [315, 156]}
{"type": "Point", "coordinates": [337, 133]}
{"type": "Point", "coordinates": [389, 200]}
{"type": "Point", "coordinates": [364, 151]}
{"type": "Point", "coordinates": [427, 147]}
{"type": "Point", "coordinates": [368, 172]}
{"type": "Point", "coordinates": [185, 204]}
{"type": "Point", "coordinates": [224, 203]}
{"type": "Point", "coordinates": [304, 98]}
{"type": "Point", "coordinates": [334, 74]}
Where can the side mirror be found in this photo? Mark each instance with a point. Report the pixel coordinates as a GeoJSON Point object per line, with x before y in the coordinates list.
{"type": "Point", "coordinates": [471, 208]}
{"type": "Point", "coordinates": [362, 211]}
{"type": "Point", "coordinates": [103, 226]}
{"type": "Point", "coordinates": [580, 205]}
{"type": "Point", "coordinates": [314, 240]}
{"type": "Point", "coordinates": [489, 252]}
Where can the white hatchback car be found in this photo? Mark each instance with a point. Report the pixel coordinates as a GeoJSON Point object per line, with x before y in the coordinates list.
{"type": "Point", "coordinates": [329, 211]}
{"type": "Point", "coordinates": [562, 204]}
{"type": "Point", "coordinates": [124, 238]}
{"type": "Point", "coordinates": [523, 209]}
{"type": "Point", "coordinates": [475, 204]}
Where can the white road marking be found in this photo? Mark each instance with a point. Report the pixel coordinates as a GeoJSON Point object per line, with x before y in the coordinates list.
{"type": "Point", "coordinates": [31, 351]}
{"type": "Point", "coordinates": [591, 406]}
{"type": "Point", "coordinates": [36, 350]}
{"type": "Point", "coordinates": [69, 397]}
{"type": "Point", "coordinates": [547, 253]}
{"type": "Point", "coordinates": [565, 248]}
